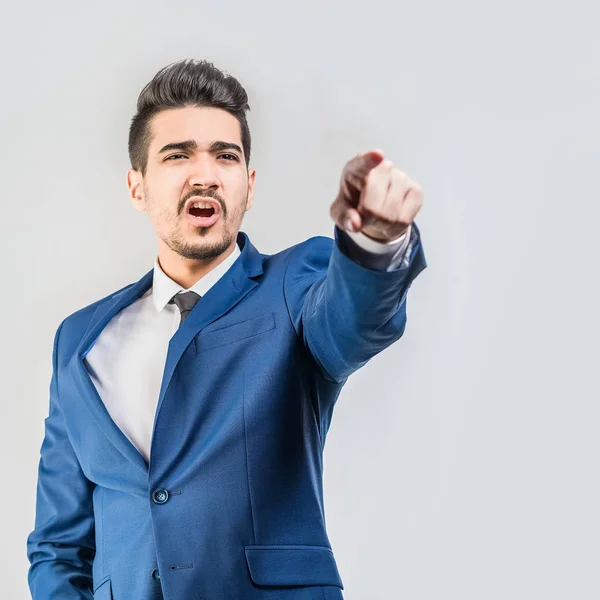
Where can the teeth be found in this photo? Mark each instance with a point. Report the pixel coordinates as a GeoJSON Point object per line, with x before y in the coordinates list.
{"type": "Point", "coordinates": [202, 205]}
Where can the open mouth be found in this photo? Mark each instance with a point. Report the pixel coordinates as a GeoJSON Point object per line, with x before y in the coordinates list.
{"type": "Point", "coordinates": [203, 213]}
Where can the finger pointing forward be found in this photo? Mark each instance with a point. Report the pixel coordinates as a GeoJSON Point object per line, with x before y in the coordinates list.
{"type": "Point", "coordinates": [353, 181]}
{"type": "Point", "coordinates": [356, 170]}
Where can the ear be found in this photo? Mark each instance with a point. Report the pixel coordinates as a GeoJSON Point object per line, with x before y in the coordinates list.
{"type": "Point", "coordinates": [135, 184]}
{"type": "Point", "coordinates": [251, 181]}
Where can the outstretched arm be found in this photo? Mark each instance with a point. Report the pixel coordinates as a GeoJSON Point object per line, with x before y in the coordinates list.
{"type": "Point", "coordinates": [347, 312]}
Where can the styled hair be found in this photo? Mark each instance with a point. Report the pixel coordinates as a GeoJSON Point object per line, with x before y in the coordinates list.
{"type": "Point", "coordinates": [187, 82]}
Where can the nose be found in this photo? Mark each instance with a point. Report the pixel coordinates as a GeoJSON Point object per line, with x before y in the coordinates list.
{"type": "Point", "coordinates": [204, 173]}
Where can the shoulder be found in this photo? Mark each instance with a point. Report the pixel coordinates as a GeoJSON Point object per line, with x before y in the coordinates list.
{"type": "Point", "coordinates": [307, 260]}
{"type": "Point", "coordinates": [75, 324]}
{"type": "Point", "coordinates": [313, 252]}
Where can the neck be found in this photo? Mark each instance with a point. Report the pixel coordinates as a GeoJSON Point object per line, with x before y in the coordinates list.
{"type": "Point", "coordinates": [187, 271]}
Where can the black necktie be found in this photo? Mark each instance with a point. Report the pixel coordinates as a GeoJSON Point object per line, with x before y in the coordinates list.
{"type": "Point", "coordinates": [185, 302]}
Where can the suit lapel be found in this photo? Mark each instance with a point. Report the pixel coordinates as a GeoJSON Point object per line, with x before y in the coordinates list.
{"type": "Point", "coordinates": [221, 297]}
{"type": "Point", "coordinates": [104, 313]}
{"type": "Point", "coordinates": [235, 284]}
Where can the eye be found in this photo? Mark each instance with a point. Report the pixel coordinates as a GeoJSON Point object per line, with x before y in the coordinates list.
{"type": "Point", "coordinates": [173, 156]}
{"type": "Point", "coordinates": [233, 156]}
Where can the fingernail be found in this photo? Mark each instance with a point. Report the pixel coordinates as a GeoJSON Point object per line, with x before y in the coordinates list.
{"type": "Point", "coordinates": [348, 225]}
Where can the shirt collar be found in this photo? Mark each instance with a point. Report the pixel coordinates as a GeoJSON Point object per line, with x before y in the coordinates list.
{"type": "Point", "coordinates": [164, 288]}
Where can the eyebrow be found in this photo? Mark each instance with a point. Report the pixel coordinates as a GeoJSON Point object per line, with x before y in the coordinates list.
{"type": "Point", "coordinates": [188, 145]}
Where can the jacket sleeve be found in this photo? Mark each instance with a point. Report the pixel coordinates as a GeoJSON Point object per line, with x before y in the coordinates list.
{"type": "Point", "coordinates": [344, 311]}
{"type": "Point", "coordinates": [61, 547]}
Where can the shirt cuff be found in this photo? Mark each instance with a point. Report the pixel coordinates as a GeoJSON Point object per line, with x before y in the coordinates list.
{"type": "Point", "coordinates": [371, 245]}
{"type": "Point", "coordinates": [380, 256]}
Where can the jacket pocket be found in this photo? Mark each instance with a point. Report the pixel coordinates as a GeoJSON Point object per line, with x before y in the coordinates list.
{"type": "Point", "coordinates": [226, 334]}
{"type": "Point", "coordinates": [292, 565]}
{"type": "Point", "coordinates": [103, 590]}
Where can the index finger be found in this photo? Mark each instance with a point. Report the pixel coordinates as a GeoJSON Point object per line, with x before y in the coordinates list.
{"type": "Point", "coordinates": [361, 164]}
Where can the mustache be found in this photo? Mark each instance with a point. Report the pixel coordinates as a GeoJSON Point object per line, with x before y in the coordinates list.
{"type": "Point", "coordinates": [205, 194]}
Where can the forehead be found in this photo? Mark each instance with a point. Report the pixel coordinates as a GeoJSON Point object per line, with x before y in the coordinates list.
{"type": "Point", "coordinates": [202, 124]}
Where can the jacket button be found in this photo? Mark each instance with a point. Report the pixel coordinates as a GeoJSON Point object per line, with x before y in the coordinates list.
{"type": "Point", "coordinates": [155, 574]}
{"type": "Point", "coordinates": [160, 496]}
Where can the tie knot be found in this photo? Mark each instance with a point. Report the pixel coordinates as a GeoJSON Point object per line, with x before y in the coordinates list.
{"type": "Point", "coordinates": [185, 301]}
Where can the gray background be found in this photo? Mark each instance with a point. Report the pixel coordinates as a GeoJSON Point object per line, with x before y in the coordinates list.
{"type": "Point", "coordinates": [462, 461]}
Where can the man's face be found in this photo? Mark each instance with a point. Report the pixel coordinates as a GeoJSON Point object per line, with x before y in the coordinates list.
{"type": "Point", "coordinates": [195, 155]}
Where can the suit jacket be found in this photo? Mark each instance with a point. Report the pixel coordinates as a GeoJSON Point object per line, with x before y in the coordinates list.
{"type": "Point", "coordinates": [230, 506]}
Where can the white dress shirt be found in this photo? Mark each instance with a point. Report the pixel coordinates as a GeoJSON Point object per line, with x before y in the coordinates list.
{"type": "Point", "coordinates": [127, 361]}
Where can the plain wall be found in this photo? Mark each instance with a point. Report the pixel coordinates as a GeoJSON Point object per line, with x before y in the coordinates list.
{"type": "Point", "coordinates": [462, 461]}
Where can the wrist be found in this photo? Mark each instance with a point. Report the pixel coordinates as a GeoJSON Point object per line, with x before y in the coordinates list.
{"type": "Point", "coordinates": [381, 239]}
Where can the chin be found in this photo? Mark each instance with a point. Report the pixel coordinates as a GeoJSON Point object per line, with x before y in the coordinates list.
{"type": "Point", "coordinates": [205, 249]}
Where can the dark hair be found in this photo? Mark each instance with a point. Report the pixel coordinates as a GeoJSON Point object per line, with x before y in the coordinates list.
{"type": "Point", "coordinates": [188, 82]}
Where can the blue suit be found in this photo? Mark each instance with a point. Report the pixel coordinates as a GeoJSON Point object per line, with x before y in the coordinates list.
{"type": "Point", "coordinates": [230, 506]}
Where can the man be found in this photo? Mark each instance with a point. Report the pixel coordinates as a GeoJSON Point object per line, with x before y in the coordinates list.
{"type": "Point", "coordinates": [182, 456]}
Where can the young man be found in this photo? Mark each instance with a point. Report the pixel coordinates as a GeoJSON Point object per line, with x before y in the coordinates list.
{"type": "Point", "coordinates": [182, 456]}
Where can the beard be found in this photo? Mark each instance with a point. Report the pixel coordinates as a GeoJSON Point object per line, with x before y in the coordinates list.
{"type": "Point", "coordinates": [204, 250]}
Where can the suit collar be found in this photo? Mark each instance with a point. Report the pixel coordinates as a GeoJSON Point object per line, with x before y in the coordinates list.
{"type": "Point", "coordinates": [164, 288]}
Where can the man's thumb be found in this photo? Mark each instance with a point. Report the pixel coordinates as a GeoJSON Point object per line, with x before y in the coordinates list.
{"type": "Point", "coordinates": [352, 220]}
{"type": "Point", "coordinates": [345, 216]}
